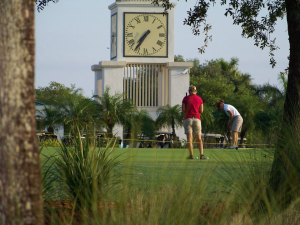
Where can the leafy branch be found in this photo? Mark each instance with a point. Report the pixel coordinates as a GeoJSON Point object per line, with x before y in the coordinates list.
{"type": "Point", "coordinates": [247, 14]}
{"type": "Point", "coordinates": [42, 3]}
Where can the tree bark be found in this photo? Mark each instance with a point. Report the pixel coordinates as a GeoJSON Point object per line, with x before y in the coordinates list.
{"type": "Point", "coordinates": [286, 168]}
{"type": "Point", "coordinates": [20, 175]}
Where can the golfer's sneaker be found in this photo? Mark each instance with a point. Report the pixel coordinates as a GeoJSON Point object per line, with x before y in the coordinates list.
{"type": "Point", "coordinates": [203, 157]}
{"type": "Point", "coordinates": [236, 147]}
{"type": "Point", "coordinates": [232, 147]}
{"type": "Point", "coordinates": [190, 157]}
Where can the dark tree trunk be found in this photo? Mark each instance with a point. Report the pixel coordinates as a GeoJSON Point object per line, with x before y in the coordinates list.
{"type": "Point", "coordinates": [20, 175]}
{"type": "Point", "coordinates": [286, 167]}
{"type": "Point", "coordinates": [243, 134]}
{"type": "Point", "coordinates": [173, 133]}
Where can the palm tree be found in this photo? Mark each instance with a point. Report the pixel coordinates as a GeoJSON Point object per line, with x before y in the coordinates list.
{"type": "Point", "coordinates": [76, 113]}
{"type": "Point", "coordinates": [49, 116]}
{"type": "Point", "coordinates": [112, 110]}
{"type": "Point", "coordinates": [170, 116]}
{"type": "Point", "coordinates": [138, 123]}
{"type": "Point", "coordinates": [271, 95]}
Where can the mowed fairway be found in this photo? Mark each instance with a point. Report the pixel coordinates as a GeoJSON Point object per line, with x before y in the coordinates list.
{"type": "Point", "coordinates": [146, 170]}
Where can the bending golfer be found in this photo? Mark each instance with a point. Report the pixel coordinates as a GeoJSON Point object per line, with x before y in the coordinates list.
{"type": "Point", "coordinates": [235, 121]}
{"type": "Point", "coordinates": [192, 106]}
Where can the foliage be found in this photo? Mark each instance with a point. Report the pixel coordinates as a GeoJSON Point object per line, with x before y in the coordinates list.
{"type": "Point", "coordinates": [49, 118]}
{"type": "Point", "coordinates": [220, 78]}
{"type": "Point", "coordinates": [269, 117]}
{"type": "Point", "coordinates": [112, 109]}
{"type": "Point", "coordinates": [170, 116]}
{"type": "Point", "coordinates": [208, 123]}
{"type": "Point", "coordinates": [71, 111]}
{"type": "Point", "coordinates": [244, 13]}
{"type": "Point", "coordinates": [49, 142]}
{"type": "Point", "coordinates": [178, 58]}
{"type": "Point", "coordinates": [40, 4]}
{"type": "Point", "coordinates": [55, 93]}
{"type": "Point", "coordinates": [83, 173]}
{"type": "Point", "coordinates": [139, 123]}
{"type": "Point", "coordinates": [76, 112]}
{"type": "Point", "coordinates": [212, 88]}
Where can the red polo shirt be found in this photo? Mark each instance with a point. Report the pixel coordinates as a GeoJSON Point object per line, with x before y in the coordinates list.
{"type": "Point", "coordinates": [192, 104]}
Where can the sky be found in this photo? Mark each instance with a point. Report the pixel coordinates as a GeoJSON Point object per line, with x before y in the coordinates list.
{"type": "Point", "coordinates": [71, 37]}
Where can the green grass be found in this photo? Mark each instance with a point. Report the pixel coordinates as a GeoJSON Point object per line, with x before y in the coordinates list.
{"type": "Point", "coordinates": [160, 186]}
{"type": "Point", "coordinates": [147, 169]}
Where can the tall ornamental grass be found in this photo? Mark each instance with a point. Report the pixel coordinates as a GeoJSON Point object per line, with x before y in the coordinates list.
{"type": "Point", "coordinates": [79, 177]}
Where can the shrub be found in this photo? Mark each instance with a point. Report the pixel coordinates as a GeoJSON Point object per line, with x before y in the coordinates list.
{"type": "Point", "coordinates": [81, 174]}
{"type": "Point", "coordinates": [50, 143]}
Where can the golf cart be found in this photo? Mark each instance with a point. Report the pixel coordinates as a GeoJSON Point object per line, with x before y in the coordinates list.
{"type": "Point", "coordinates": [163, 139]}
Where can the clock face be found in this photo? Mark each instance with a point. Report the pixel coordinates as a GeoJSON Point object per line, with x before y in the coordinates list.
{"type": "Point", "coordinates": [145, 35]}
{"type": "Point", "coordinates": [113, 47]}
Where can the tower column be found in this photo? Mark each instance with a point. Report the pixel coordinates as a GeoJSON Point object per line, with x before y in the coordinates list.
{"type": "Point", "coordinates": [179, 81]}
{"type": "Point", "coordinates": [109, 74]}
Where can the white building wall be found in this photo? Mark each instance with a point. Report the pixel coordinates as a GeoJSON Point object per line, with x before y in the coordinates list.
{"type": "Point", "coordinates": [179, 83]}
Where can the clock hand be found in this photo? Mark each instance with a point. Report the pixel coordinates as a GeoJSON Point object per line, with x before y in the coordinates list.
{"type": "Point", "coordinates": [140, 41]}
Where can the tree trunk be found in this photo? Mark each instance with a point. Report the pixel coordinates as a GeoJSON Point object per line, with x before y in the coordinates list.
{"type": "Point", "coordinates": [286, 166]}
{"type": "Point", "coordinates": [20, 175]}
{"type": "Point", "coordinates": [173, 133]}
{"type": "Point", "coordinates": [243, 134]}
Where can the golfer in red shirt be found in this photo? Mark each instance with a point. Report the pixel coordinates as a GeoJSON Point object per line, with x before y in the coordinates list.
{"type": "Point", "coordinates": [192, 106]}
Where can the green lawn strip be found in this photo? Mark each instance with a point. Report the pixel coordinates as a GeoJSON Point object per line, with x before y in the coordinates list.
{"type": "Point", "coordinates": [153, 168]}
{"type": "Point", "coordinates": [148, 170]}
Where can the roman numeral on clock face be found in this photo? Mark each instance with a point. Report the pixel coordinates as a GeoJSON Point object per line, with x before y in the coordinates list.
{"type": "Point", "coordinates": [146, 18]}
{"type": "Point", "coordinates": [146, 51]}
{"type": "Point", "coordinates": [137, 50]}
{"type": "Point", "coordinates": [137, 20]}
{"type": "Point", "coordinates": [131, 43]}
{"type": "Point", "coordinates": [160, 43]}
{"type": "Point", "coordinates": [129, 25]}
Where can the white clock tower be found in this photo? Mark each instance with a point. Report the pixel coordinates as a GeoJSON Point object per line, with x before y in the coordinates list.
{"type": "Point", "coordinates": [142, 58]}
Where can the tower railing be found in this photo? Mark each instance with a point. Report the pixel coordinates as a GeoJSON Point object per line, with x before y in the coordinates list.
{"type": "Point", "coordinates": [147, 85]}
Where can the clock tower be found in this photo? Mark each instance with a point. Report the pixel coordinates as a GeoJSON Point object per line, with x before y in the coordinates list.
{"type": "Point", "coordinates": [142, 58]}
{"type": "Point", "coordinates": [141, 32]}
